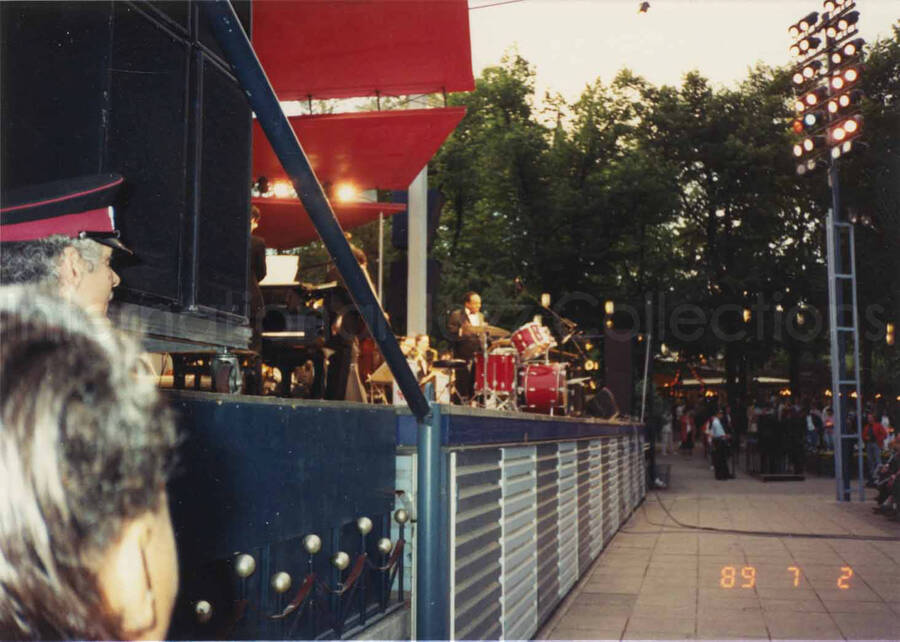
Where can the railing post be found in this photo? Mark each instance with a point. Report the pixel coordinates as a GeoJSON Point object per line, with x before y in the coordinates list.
{"type": "Point", "coordinates": [432, 585]}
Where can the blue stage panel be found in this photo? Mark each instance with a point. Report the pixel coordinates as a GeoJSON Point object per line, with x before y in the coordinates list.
{"type": "Point", "coordinates": [254, 471]}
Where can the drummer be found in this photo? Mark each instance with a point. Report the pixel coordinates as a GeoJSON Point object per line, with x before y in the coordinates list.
{"type": "Point", "coordinates": [466, 327]}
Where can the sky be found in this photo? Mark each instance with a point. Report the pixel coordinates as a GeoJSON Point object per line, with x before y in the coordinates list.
{"type": "Point", "coordinates": [572, 42]}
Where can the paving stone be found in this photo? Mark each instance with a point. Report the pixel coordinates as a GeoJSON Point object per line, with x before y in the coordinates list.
{"type": "Point", "coordinates": [600, 604]}
{"type": "Point", "coordinates": [581, 620]}
{"type": "Point", "coordinates": [787, 625]}
{"type": "Point", "coordinates": [562, 633]}
{"type": "Point", "coordinates": [844, 606]}
{"type": "Point", "coordinates": [872, 626]}
{"type": "Point", "coordinates": [855, 594]}
{"type": "Point", "coordinates": [667, 585]}
{"type": "Point", "coordinates": [727, 624]}
{"type": "Point", "coordinates": [682, 625]}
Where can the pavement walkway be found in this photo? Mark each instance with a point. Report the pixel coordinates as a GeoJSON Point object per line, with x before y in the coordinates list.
{"type": "Point", "coordinates": [658, 580]}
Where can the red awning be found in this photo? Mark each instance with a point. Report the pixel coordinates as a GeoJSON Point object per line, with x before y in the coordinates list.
{"type": "Point", "coordinates": [285, 223]}
{"type": "Point", "coordinates": [377, 149]}
{"type": "Point", "coordinates": [343, 48]}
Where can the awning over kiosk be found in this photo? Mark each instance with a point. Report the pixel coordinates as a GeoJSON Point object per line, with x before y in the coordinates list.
{"type": "Point", "coordinates": [363, 48]}
{"type": "Point", "coordinates": [379, 149]}
{"type": "Point", "coordinates": [285, 223]}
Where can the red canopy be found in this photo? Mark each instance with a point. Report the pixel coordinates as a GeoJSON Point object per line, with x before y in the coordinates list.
{"type": "Point", "coordinates": [285, 222]}
{"type": "Point", "coordinates": [377, 149]}
{"type": "Point", "coordinates": [343, 48]}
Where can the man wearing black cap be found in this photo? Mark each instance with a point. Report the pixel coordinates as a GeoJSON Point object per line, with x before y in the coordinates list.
{"type": "Point", "coordinates": [60, 237]}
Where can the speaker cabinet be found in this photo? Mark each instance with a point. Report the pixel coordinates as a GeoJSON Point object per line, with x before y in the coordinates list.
{"type": "Point", "coordinates": [618, 360]}
{"type": "Point", "coordinates": [141, 89]}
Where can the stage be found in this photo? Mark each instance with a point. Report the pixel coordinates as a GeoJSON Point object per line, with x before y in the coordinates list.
{"type": "Point", "coordinates": [526, 503]}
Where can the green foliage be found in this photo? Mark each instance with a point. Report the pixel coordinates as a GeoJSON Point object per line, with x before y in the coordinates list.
{"type": "Point", "coordinates": [689, 191]}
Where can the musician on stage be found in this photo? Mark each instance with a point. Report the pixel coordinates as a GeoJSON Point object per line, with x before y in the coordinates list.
{"type": "Point", "coordinates": [466, 327]}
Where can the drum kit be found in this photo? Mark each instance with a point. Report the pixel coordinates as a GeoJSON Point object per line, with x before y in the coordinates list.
{"type": "Point", "coordinates": [514, 371]}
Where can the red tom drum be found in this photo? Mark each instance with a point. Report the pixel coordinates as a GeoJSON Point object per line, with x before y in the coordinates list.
{"type": "Point", "coordinates": [543, 387]}
{"type": "Point", "coordinates": [501, 371]}
{"type": "Point", "coordinates": [532, 340]}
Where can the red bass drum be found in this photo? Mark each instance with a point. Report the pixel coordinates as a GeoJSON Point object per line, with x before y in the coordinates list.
{"type": "Point", "coordinates": [543, 387]}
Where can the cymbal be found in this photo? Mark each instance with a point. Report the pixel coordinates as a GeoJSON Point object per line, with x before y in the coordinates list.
{"type": "Point", "coordinates": [449, 363]}
{"type": "Point", "coordinates": [497, 332]}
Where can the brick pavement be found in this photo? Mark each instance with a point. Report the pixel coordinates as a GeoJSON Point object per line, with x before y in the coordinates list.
{"type": "Point", "coordinates": [657, 580]}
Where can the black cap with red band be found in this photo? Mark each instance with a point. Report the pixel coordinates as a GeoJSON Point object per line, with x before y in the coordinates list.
{"type": "Point", "coordinates": [76, 207]}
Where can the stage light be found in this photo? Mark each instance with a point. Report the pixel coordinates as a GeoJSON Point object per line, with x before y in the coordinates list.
{"type": "Point", "coordinates": [835, 152]}
{"type": "Point", "coordinates": [345, 193]}
{"type": "Point", "coordinates": [809, 44]}
{"type": "Point", "coordinates": [889, 334]}
{"type": "Point", "coordinates": [609, 323]}
{"type": "Point", "coordinates": [797, 126]}
{"type": "Point", "coordinates": [798, 78]}
{"type": "Point", "coordinates": [808, 21]}
{"type": "Point", "coordinates": [282, 189]}
{"type": "Point", "coordinates": [837, 83]}
{"type": "Point", "coordinates": [813, 120]}
{"type": "Point", "coordinates": [848, 21]}
{"type": "Point", "coordinates": [795, 50]}
{"type": "Point", "coordinates": [814, 97]}
{"type": "Point", "coordinates": [853, 47]}
{"type": "Point", "coordinates": [851, 75]}
{"type": "Point", "coordinates": [845, 129]}
{"type": "Point", "coordinates": [798, 150]}
{"type": "Point", "coordinates": [799, 106]}
{"type": "Point", "coordinates": [545, 300]}
{"type": "Point", "coordinates": [801, 169]}
{"type": "Point", "coordinates": [810, 70]}
{"type": "Point", "coordinates": [609, 306]}
{"type": "Point", "coordinates": [794, 31]}
{"type": "Point", "coordinates": [746, 315]}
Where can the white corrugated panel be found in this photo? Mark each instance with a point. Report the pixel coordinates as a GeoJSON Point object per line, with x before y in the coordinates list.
{"type": "Point", "coordinates": [612, 450]}
{"type": "Point", "coordinates": [567, 515]}
{"type": "Point", "coordinates": [595, 501]}
{"type": "Point", "coordinates": [518, 578]}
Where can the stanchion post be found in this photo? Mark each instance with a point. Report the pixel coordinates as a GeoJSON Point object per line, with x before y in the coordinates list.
{"type": "Point", "coordinates": [432, 583]}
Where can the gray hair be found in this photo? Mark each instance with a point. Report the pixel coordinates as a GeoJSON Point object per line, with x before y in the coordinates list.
{"type": "Point", "coordinates": [37, 262]}
{"type": "Point", "coordinates": [85, 446]}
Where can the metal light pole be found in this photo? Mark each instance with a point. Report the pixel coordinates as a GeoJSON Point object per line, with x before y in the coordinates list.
{"type": "Point", "coordinates": [838, 97]}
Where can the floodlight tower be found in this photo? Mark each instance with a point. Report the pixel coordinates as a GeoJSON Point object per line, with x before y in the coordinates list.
{"type": "Point", "coordinates": [826, 79]}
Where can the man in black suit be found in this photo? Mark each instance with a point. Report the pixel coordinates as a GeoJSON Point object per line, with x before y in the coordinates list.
{"type": "Point", "coordinates": [466, 327]}
{"type": "Point", "coordinates": [255, 274]}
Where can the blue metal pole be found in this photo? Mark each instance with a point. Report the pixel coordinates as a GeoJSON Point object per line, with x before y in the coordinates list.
{"type": "Point", "coordinates": [239, 53]}
{"type": "Point", "coordinates": [432, 614]}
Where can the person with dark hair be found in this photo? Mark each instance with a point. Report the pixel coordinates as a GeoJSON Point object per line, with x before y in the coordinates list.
{"type": "Point", "coordinates": [60, 237]}
{"type": "Point", "coordinates": [86, 543]}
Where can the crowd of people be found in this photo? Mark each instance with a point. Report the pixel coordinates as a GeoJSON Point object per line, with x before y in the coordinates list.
{"type": "Point", "coordinates": [807, 426]}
